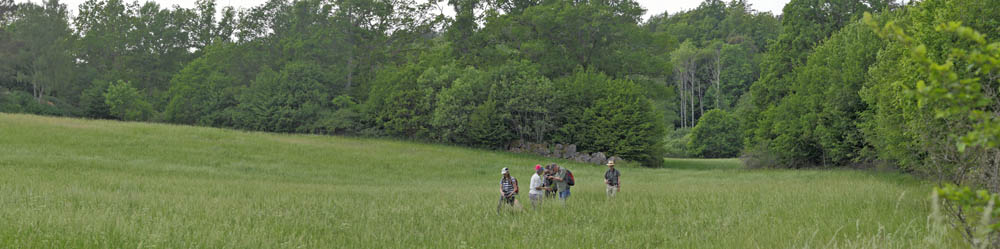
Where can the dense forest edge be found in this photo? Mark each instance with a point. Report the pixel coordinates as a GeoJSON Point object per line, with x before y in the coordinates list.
{"type": "Point", "coordinates": [812, 87]}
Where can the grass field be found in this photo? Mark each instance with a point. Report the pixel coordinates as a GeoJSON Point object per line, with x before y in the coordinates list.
{"type": "Point", "coordinates": [70, 183]}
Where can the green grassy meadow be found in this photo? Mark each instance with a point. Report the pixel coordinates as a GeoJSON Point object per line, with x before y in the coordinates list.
{"type": "Point", "coordinates": [72, 183]}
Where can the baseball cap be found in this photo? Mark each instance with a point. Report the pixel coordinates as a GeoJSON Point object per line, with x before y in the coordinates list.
{"type": "Point", "coordinates": [504, 171]}
{"type": "Point", "coordinates": [538, 167]}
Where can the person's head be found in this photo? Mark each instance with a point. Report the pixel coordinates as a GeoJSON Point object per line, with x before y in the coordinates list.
{"type": "Point", "coordinates": [505, 172]}
{"type": "Point", "coordinates": [611, 164]}
{"type": "Point", "coordinates": [539, 170]}
{"type": "Point", "coordinates": [555, 167]}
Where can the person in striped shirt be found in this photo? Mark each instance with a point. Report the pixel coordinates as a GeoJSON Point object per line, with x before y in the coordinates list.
{"type": "Point", "coordinates": [508, 188]}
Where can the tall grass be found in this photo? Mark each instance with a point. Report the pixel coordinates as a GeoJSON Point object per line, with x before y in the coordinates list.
{"type": "Point", "coordinates": [70, 183]}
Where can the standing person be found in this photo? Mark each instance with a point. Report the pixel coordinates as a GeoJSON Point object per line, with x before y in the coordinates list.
{"type": "Point", "coordinates": [611, 179]}
{"type": "Point", "coordinates": [537, 190]}
{"type": "Point", "coordinates": [561, 178]}
{"type": "Point", "coordinates": [550, 190]}
{"type": "Point", "coordinates": [508, 188]}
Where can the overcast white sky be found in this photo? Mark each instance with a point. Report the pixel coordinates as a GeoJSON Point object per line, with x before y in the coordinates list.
{"type": "Point", "coordinates": [652, 6]}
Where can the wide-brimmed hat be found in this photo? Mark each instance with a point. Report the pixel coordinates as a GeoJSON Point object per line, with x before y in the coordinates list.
{"type": "Point", "coordinates": [611, 163]}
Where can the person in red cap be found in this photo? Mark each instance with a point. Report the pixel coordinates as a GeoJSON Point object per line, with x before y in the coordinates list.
{"type": "Point", "coordinates": [537, 190]}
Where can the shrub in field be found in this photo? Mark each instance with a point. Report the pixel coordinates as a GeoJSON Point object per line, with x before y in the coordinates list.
{"type": "Point", "coordinates": [675, 142]}
{"type": "Point", "coordinates": [716, 135]}
{"type": "Point", "coordinates": [975, 212]}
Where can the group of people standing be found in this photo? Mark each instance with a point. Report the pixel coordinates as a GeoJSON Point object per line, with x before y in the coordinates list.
{"type": "Point", "coordinates": [551, 181]}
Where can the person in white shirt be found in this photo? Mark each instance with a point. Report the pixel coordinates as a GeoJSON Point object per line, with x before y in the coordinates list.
{"type": "Point", "coordinates": [537, 189]}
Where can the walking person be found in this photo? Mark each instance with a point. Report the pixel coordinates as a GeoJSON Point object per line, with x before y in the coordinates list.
{"type": "Point", "coordinates": [537, 190]}
{"type": "Point", "coordinates": [611, 180]}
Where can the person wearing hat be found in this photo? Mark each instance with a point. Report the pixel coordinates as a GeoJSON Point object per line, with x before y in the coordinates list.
{"type": "Point", "coordinates": [537, 189]}
{"type": "Point", "coordinates": [611, 179]}
{"type": "Point", "coordinates": [508, 187]}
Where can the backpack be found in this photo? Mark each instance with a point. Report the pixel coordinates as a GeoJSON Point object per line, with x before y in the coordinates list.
{"type": "Point", "coordinates": [516, 188]}
{"type": "Point", "coordinates": [569, 178]}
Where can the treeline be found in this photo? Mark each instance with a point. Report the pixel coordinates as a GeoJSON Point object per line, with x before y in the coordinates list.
{"type": "Point", "coordinates": [835, 93]}
{"type": "Point", "coordinates": [589, 73]}
{"type": "Point", "coordinates": [813, 87]}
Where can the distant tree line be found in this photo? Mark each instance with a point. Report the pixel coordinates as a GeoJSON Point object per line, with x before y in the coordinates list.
{"type": "Point", "coordinates": [589, 73]}
{"type": "Point", "coordinates": [812, 87]}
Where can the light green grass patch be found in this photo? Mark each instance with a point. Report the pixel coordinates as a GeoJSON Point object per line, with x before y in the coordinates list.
{"type": "Point", "coordinates": [71, 183]}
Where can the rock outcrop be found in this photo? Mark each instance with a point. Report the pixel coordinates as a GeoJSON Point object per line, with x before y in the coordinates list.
{"type": "Point", "coordinates": [562, 151]}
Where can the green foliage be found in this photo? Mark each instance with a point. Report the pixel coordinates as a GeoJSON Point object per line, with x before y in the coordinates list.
{"type": "Point", "coordinates": [344, 118]}
{"type": "Point", "coordinates": [521, 97]}
{"type": "Point", "coordinates": [124, 102]}
{"type": "Point", "coordinates": [717, 135]}
{"type": "Point", "coordinates": [92, 100]}
{"type": "Point", "coordinates": [564, 34]}
{"type": "Point", "coordinates": [487, 126]}
{"type": "Point", "coordinates": [978, 212]}
{"type": "Point", "coordinates": [948, 107]}
{"type": "Point", "coordinates": [718, 57]}
{"type": "Point", "coordinates": [919, 131]}
{"type": "Point", "coordinates": [23, 102]}
{"type": "Point", "coordinates": [675, 143]}
{"type": "Point", "coordinates": [816, 123]}
{"type": "Point", "coordinates": [952, 95]}
{"type": "Point", "coordinates": [399, 106]}
{"type": "Point", "coordinates": [202, 92]}
{"type": "Point", "coordinates": [42, 58]}
{"type": "Point", "coordinates": [456, 104]}
{"type": "Point", "coordinates": [806, 23]}
{"type": "Point", "coordinates": [139, 43]}
{"type": "Point", "coordinates": [285, 101]}
{"type": "Point", "coordinates": [599, 113]}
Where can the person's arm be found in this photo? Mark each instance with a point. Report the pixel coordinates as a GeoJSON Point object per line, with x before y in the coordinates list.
{"type": "Point", "coordinates": [556, 178]}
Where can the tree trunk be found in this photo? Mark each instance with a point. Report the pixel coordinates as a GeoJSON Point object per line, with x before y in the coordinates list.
{"type": "Point", "coordinates": [718, 72]}
{"type": "Point", "coordinates": [350, 71]}
{"type": "Point", "coordinates": [692, 85]}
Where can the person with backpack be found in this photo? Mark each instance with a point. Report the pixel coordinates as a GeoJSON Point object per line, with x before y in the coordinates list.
{"type": "Point", "coordinates": [563, 179]}
{"type": "Point", "coordinates": [550, 190]}
{"type": "Point", "coordinates": [508, 188]}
